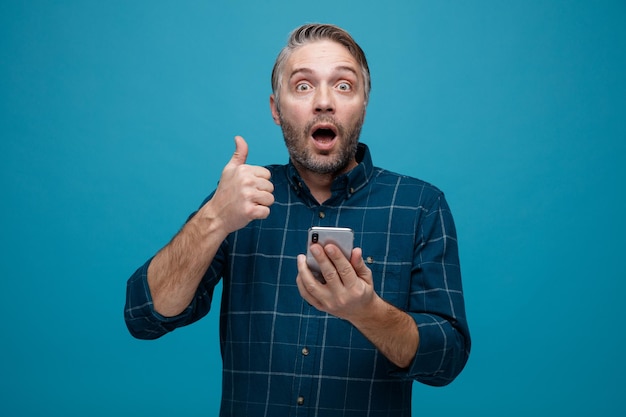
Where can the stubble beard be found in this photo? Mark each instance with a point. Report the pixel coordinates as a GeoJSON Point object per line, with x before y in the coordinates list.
{"type": "Point", "coordinates": [296, 141]}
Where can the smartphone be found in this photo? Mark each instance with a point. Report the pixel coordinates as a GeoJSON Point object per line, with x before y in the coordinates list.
{"type": "Point", "coordinates": [342, 237]}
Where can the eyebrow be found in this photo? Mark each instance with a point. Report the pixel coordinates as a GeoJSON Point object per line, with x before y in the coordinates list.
{"type": "Point", "coordinates": [340, 68]}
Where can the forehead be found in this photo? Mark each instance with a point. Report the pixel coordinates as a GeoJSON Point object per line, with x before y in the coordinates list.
{"type": "Point", "coordinates": [320, 56]}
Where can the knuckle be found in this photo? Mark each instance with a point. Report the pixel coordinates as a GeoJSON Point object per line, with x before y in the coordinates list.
{"type": "Point", "coordinates": [345, 270]}
{"type": "Point", "coordinates": [257, 212]}
{"type": "Point", "coordinates": [331, 276]}
{"type": "Point", "coordinates": [264, 212]}
{"type": "Point", "coordinates": [246, 181]}
{"type": "Point", "coordinates": [246, 193]}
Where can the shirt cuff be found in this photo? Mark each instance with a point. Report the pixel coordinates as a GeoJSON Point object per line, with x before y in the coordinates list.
{"type": "Point", "coordinates": [436, 360]}
{"type": "Point", "coordinates": [142, 320]}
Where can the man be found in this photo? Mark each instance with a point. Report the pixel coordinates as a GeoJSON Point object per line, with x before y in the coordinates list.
{"type": "Point", "coordinates": [292, 345]}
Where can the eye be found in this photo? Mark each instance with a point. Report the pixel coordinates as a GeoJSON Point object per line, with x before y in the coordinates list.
{"type": "Point", "coordinates": [302, 87]}
{"type": "Point", "coordinates": [344, 86]}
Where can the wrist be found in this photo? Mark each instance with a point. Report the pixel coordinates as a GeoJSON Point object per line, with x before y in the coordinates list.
{"type": "Point", "coordinates": [206, 223]}
{"type": "Point", "coordinates": [372, 315]}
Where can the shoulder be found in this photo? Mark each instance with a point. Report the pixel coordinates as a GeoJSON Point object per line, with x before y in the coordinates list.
{"type": "Point", "coordinates": [407, 189]}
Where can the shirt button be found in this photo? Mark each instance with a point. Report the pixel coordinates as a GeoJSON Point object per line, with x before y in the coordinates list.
{"type": "Point", "coordinates": [305, 351]}
{"type": "Point", "coordinates": [369, 260]}
{"type": "Point", "coordinates": [300, 400]}
{"type": "Point", "coordinates": [322, 214]}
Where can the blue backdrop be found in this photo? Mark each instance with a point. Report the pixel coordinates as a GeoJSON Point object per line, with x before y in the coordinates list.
{"type": "Point", "coordinates": [117, 117]}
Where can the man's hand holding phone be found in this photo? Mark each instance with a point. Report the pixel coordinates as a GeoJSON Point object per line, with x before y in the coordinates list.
{"type": "Point", "coordinates": [348, 290]}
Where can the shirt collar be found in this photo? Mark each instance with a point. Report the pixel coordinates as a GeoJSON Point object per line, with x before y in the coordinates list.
{"type": "Point", "coordinates": [345, 185]}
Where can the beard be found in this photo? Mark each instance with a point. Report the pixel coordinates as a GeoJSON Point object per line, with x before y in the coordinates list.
{"type": "Point", "coordinates": [296, 141]}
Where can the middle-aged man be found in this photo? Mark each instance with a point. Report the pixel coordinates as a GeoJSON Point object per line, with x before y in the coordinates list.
{"type": "Point", "coordinates": [293, 345]}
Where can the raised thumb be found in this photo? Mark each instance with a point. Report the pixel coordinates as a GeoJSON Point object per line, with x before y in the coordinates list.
{"type": "Point", "coordinates": [241, 151]}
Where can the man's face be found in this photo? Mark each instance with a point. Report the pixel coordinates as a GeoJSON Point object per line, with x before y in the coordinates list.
{"type": "Point", "coordinates": [322, 107]}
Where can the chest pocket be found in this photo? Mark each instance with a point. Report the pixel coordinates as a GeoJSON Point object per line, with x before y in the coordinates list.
{"type": "Point", "coordinates": [392, 279]}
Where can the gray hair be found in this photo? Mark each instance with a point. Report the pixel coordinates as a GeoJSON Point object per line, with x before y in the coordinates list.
{"type": "Point", "coordinates": [316, 32]}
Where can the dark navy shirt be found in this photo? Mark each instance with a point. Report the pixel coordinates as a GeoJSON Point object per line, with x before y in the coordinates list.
{"type": "Point", "coordinates": [282, 357]}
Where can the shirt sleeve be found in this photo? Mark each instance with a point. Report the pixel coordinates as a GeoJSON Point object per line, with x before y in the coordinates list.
{"type": "Point", "coordinates": [436, 303]}
{"type": "Point", "coordinates": [144, 322]}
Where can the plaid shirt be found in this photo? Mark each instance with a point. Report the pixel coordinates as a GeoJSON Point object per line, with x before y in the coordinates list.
{"type": "Point", "coordinates": [282, 357]}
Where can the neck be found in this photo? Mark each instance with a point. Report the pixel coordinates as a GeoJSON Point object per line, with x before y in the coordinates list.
{"type": "Point", "coordinates": [320, 184]}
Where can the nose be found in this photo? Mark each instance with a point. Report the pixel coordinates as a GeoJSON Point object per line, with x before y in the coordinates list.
{"type": "Point", "coordinates": [324, 102]}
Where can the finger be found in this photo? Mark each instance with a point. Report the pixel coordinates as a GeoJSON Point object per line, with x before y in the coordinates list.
{"type": "Point", "coordinates": [265, 185]}
{"type": "Point", "coordinates": [241, 152]}
{"type": "Point", "coordinates": [259, 172]}
{"type": "Point", "coordinates": [264, 199]}
{"type": "Point", "coordinates": [259, 212]}
{"type": "Point", "coordinates": [357, 262]}
{"type": "Point", "coordinates": [306, 282]}
{"type": "Point", "coordinates": [261, 190]}
{"type": "Point", "coordinates": [327, 267]}
{"type": "Point", "coordinates": [341, 264]}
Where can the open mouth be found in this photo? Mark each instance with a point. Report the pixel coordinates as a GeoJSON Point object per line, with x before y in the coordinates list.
{"type": "Point", "coordinates": [324, 134]}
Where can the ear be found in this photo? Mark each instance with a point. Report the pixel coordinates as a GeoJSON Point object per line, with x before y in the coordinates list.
{"type": "Point", "coordinates": [274, 109]}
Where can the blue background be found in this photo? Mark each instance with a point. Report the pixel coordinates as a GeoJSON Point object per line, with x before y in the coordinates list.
{"type": "Point", "coordinates": [117, 117]}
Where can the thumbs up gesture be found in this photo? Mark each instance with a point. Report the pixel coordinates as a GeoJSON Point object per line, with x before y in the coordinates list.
{"type": "Point", "coordinates": [244, 192]}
